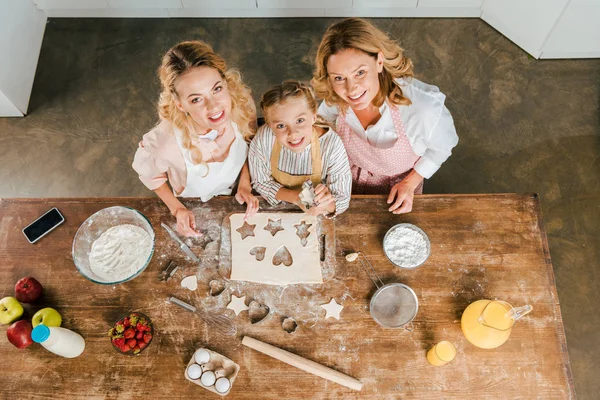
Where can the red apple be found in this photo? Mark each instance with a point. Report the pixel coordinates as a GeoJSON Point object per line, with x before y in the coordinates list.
{"type": "Point", "coordinates": [19, 334]}
{"type": "Point", "coordinates": [28, 290]}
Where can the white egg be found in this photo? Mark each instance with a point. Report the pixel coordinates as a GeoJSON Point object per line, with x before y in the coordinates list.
{"type": "Point", "coordinates": [194, 371]}
{"type": "Point", "coordinates": [208, 378]}
{"type": "Point", "coordinates": [202, 356]}
{"type": "Point", "coordinates": [222, 385]}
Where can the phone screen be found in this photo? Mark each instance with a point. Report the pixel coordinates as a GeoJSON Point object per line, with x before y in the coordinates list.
{"type": "Point", "coordinates": [43, 225]}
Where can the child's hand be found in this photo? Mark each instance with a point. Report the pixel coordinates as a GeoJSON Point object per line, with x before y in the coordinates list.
{"type": "Point", "coordinates": [186, 222]}
{"type": "Point", "coordinates": [244, 195]}
{"type": "Point", "coordinates": [322, 196]}
{"type": "Point", "coordinates": [324, 202]}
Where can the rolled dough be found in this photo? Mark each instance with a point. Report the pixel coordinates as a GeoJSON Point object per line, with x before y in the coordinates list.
{"type": "Point", "coordinates": [306, 266]}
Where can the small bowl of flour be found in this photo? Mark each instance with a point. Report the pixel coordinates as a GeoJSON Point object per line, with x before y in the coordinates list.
{"type": "Point", "coordinates": [406, 246]}
{"type": "Point", "coordinates": [114, 245]}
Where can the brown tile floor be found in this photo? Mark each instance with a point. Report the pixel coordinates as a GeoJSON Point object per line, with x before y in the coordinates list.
{"type": "Point", "coordinates": [525, 125]}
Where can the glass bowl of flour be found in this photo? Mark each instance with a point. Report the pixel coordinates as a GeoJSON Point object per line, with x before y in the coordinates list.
{"type": "Point", "coordinates": [114, 245]}
{"type": "Point", "coordinates": [406, 246]}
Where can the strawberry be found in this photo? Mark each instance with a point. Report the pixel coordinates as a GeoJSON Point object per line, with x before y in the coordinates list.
{"type": "Point", "coordinates": [119, 342]}
{"type": "Point", "coordinates": [147, 337]}
{"type": "Point", "coordinates": [136, 350]}
{"type": "Point", "coordinates": [131, 343]}
{"type": "Point", "coordinates": [126, 322]}
{"type": "Point", "coordinates": [141, 344]}
{"type": "Point", "coordinates": [129, 333]}
{"type": "Point", "coordinates": [139, 335]}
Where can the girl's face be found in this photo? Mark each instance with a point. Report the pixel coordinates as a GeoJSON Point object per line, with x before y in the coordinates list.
{"type": "Point", "coordinates": [292, 122]}
{"type": "Point", "coordinates": [202, 93]}
{"type": "Point", "coordinates": [353, 75]}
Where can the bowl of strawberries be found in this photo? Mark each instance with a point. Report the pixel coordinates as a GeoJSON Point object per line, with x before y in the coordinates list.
{"type": "Point", "coordinates": [132, 333]}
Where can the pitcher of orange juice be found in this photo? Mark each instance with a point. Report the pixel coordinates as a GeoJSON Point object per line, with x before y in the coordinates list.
{"type": "Point", "coordinates": [487, 323]}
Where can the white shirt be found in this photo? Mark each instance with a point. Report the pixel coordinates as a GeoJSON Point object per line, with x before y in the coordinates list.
{"type": "Point", "coordinates": [427, 122]}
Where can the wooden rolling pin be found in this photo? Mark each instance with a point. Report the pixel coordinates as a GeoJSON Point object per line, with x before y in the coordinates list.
{"type": "Point", "coordinates": [302, 363]}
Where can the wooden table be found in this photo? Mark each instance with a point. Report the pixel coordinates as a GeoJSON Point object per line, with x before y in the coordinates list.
{"type": "Point", "coordinates": [483, 246]}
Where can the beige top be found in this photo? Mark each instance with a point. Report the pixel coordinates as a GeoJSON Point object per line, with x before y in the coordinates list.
{"type": "Point", "coordinates": [159, 158]}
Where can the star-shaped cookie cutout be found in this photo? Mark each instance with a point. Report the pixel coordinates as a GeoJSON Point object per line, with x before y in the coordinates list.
{"type": "Point", "coordinates": [333, 309]}
{"type": "Point", "coordinates": [237, 304]}
{"type": "Point", "coordinates": [246, 230]}
{"type": "Point", "coordinates": [302, 232]}
{"type": "Point", "coordinates": [274, 226]}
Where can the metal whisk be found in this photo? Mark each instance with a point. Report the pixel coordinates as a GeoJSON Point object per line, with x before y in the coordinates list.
{"type": "Point", "coordinates": [221, 322]}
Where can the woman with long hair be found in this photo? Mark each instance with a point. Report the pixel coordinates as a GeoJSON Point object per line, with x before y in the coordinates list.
{"type": "Point", "coordinates": [199, 148]}
{"type": "Point", "coordinates": [395, 128]}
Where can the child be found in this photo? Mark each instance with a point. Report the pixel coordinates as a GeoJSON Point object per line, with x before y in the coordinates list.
{"type": "Point", "coordinates": [207, 116]}
{"type": "Point", "coordinates": [294, 146]}
{"type": "Point", "coordinates": [395, 128]}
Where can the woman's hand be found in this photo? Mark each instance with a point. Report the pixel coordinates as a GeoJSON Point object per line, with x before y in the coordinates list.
{"type": "Point", "coordinates": [404, 193]}
{"type": "Point", "coordinates": [186, 222]}
{"type": "Point", "coordinates": [244, 195]}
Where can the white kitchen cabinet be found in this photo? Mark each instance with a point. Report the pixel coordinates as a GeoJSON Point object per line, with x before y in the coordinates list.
{"type": "Point", "coordinates": [144, 4]}
{"type": "Point", "coordinates": [577, 32]}
{"type": "Point", "coordinates": [70, 4]}
{"type": "Point", "coordinates": [526, 22]}
{"type": "Point", "coordinates": [297, 4]}
{"type": "Point", "coordinates": [222, 4]}
{"type": "Point", "coordinates": [21, 32]}
{"type": "Point", "coordinates": [384, 3]}
{"type": "Point", "coordinates": [450, 3]}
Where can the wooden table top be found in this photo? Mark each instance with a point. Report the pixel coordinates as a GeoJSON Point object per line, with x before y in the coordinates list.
{"type": "Point", "coordinates": [482, 247]}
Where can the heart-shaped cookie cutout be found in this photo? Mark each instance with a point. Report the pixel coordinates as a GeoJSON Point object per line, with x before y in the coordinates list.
{"type": "Point", "coordinates": [216, 287]}
{"type": "Point", "coordinates": [257, 311]}
{"type": "Point", "coordinates": [282, 256]}
{"type": "Point", "coordinates": [190, 282]}
{"type": "Point", "coordinates": [289, 325]}
{"type": "Point", "coordinates": [258, 252]}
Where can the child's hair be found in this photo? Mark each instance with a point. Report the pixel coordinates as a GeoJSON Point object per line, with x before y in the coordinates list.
{"type": "Point", "coordinates": [290, 90]}
{"type": "Point", "coordinates": [358, 34]}
{"type": "Point", "coordinates": [193, 54]}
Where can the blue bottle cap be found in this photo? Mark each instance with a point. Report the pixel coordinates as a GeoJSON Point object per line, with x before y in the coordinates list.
{"type": "Point", "coordinates": [40, 333]}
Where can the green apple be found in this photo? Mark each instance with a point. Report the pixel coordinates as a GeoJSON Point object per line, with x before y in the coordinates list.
{"type": "Point", "coordinates": [46, 316]}
{"type": "Point", "coordinates": [10, 310]}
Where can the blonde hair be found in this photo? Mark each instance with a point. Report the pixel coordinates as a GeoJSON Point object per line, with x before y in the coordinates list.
{"type": "Point", "coordinates": [193, 54]}
{"type": "Point", "coordinates": [358, 34]}
{"type": "Point", "coordinates": [291, 90]}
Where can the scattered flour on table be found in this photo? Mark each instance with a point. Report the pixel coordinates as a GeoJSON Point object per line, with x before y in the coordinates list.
{"type": "Point", "coordinates": [406, 247]}
{"type": "Point", "coordinates": [120, 252]}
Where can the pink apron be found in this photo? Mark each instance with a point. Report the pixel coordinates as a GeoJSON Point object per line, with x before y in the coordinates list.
{"type": "Point", "coordinates": [376, 171]}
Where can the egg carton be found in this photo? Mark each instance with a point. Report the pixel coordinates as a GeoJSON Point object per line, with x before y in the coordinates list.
{"type": "Point", "coordinates": [220, 365]}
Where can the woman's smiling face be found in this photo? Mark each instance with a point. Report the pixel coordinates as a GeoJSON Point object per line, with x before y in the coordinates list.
{"type": "Point", "coordinates": [202, 92]}
{"type": "Point", "coordinates": [353, 75]}
{"type": "Point", "coordinates": [292, 123]}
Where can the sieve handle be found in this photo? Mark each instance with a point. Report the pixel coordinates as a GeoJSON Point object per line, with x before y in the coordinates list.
{"type": "Point", "coordinates": [412, 327]}
{"type": "Point", "coordinates": [370, 270]}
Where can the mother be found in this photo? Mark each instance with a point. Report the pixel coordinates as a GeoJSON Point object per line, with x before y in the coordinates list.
{"type": "Point", "coordinates": [395, 128]}
{"type": "Point", "coordinates": [207, 116]}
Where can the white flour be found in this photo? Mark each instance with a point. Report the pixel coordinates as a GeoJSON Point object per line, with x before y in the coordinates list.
{"type": "Point", "coordinates": [406, 247]}
{"type": "Point", "coordinates": [120, 252]}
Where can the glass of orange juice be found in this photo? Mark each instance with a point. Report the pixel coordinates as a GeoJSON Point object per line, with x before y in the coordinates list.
{"type": "Point", "coordinates": [442, 353]}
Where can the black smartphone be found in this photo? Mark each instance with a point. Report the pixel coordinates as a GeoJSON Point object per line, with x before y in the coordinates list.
{"type": "Point", "coordinates": [44, 224]}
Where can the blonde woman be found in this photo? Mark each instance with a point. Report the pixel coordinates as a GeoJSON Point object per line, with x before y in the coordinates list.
{"type": "Point", "coordinates": [199, 148]}
{"type": "Point", "coordinates": [296, 145]}
{"type": "Point", "coordinates": [395, 128]}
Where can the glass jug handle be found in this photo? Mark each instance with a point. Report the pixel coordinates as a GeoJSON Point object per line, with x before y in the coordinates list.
{"type": "Point", "coordinates": [519, 312]}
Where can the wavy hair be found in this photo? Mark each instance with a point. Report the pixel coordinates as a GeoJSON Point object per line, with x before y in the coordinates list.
{"type": "Point", "coordinates": [291, 90]}
{"type": "Point", "coordinates": [193, 54]}
{"type": "Point", "coordinates": [358, 34]}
